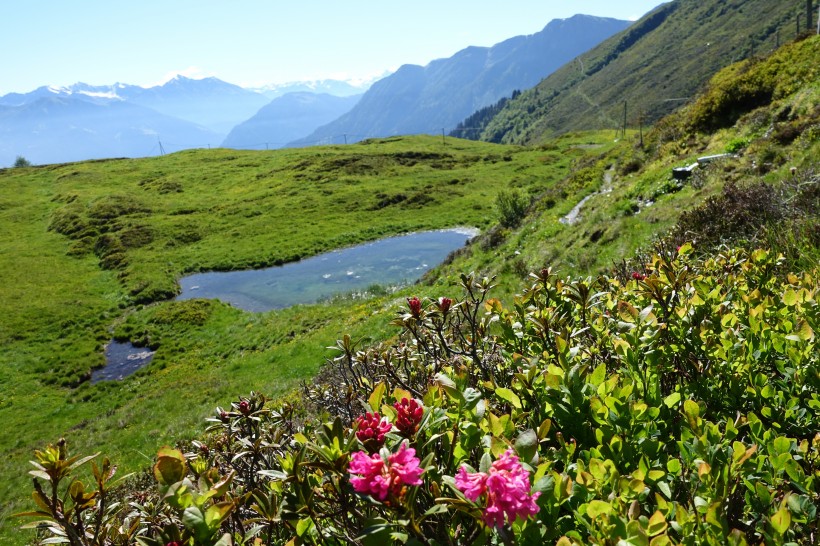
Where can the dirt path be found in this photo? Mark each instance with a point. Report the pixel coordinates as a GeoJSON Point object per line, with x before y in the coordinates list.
{"type": "Point", "coordinates": [575, 214]}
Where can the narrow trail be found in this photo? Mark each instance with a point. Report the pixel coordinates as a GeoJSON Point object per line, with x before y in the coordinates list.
{"type": "Point", "coordinates": [575, 214]}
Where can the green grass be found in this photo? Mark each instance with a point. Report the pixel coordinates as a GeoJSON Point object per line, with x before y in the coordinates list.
{"type": "Point", "coordinates": [129, 228]}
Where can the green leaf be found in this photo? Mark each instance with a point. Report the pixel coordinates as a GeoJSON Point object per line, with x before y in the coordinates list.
{"type": "Point", "coordinates": [471, 397]}
{"type": "Point", "coordinates": [216, 513]}
{"type": "Point", "coordinates": [170, 466]}
{"type": "Point", "coordinates": [526, 445]}
{"type": "Point", "coordinates": [598, 375]}
{"type": "Point", "coordinates": [194, 520]}
{"type": "Point", "coordinates": [375, 399]}
{"type": "Point", "coordinates": [781, 520]}
{"type": "Point", "coordinates": [782, 445]}
{"type": "Point", "coordinates": [435, 509]}
{"type": "Point", "coordinates": [544, 429]}
{"type": "Point", "coordinates": [790, 297]}
{"type": "Point", "coordinates": [692, 412]}
{"type": "Point", "coordinates": [224, 540]}
{"type": "Point", "coordinates": [672, 400]}
{"type": "Point", "coordinates": [657, 524]}
{"type": "Point", "coordinates": [635, 534]}
{"type": "Point", "coordinates": [597, 507]}
{"type": "Point", "coordinates": [508, 396]}
{"type": "Point", "coordinates": [376, 532]}
{"type": "Point", "coordinates": [303, 526]}
{"type": "Point", "coordinates": [485, 463]}
{"type": "Point", "coordinates": [763, 493]}
{"type": "Point", "coordinates": [804, 331]}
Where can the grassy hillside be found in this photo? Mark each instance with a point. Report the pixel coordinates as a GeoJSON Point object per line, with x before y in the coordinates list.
{"type": "Point", "coordinates": [87, 246]}
{"type": "Point", "coordinates": [764, 111]}
{"type": "Point", "coordinates": [666, 56]}
{"type": "Point", "coordinates": [91, 248]}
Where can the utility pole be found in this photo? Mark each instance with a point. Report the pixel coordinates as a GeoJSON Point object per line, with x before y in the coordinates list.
{"type": "Point", "coordinates": [623, 133]}
{"type": "Point", "coordinates": [640, 126]}
{"type": "Point", "coordinates": [161, 149]}
{"type": "Point", "coordinates": [442, 138]}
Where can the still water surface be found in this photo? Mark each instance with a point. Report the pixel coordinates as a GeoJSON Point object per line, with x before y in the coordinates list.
{"type": "Point", "coordinates": [385, 262]}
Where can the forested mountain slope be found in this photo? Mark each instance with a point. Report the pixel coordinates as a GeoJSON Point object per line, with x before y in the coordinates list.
{"type": "Point", "coordinates": [653, 67]}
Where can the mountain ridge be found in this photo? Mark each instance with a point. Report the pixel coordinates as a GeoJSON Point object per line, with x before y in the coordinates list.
{"type": "Point", "coordinates": [666, 56]}
{"type": "Point", "coordinates": [286, 118]}
{"type": "Point", "coordinates": [427, 99]}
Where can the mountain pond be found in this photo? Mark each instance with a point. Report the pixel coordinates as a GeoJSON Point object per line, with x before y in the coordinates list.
{"type": "Point", "coordinates": [386, 262]}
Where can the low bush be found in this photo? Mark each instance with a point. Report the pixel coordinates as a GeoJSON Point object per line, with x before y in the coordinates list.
{"type": "Point", "coordinates": [512, 206]}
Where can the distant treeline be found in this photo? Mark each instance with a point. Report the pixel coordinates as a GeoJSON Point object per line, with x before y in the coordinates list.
{"type": "Point", "coordinates": [472, 127]}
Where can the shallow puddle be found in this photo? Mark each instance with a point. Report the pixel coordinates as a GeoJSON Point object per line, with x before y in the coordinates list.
{"type": "Point", "coordinates": [122, 359]}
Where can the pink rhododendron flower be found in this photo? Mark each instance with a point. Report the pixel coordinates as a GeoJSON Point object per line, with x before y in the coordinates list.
{"type": "Point", "coordinates": [375, 477]}
{"type": "Point", "coordinates": [415, 306]}
{"type": "Point", "coordinates": [444, 305]}
{"type": "Point", "coordinates": [372, 428]}
{"type": "Point", "coordinates": [507, 489]}
{"type": "Point", "coordinates": [409, 414]}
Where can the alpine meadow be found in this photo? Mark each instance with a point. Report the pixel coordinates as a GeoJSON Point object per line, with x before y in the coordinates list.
{"type": "Point", "coordinates": [625, 354]}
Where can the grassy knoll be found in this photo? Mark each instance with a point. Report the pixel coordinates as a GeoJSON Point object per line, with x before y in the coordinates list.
{"type": "Point", "coordinates": [87, 246]}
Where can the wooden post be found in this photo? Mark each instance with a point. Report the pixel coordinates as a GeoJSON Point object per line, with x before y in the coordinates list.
{"type": "Point", "coordinates": [623, 133]}
{"type": "Point", "coordinates": [640, 126]}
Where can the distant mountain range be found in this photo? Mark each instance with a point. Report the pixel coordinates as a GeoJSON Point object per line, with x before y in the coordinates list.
{"type": "Point", "coordinates": [336, 88]}
{"type": "Point", "coordinates": [60, 129]}
{"type": "Point", "coordinates": [81, 121]}
{"type": "Point", "coordinates": [437, 96]}
{"type": "Point", "coordinates": [59, 124]}
{"type": "Point", "coordinates": [286, 118]}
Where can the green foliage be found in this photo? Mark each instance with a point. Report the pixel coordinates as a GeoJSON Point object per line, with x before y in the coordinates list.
{"type": "Point", "coordinates": [21, 161]}
{"type": "Point", "coordinates": [672, 409]}
{"type": "Point", "coordinates": [512, 207]}
{"type": "Point", "coordinates": [737, 145]}
{"type": "Point", "coordinates": [70, 513]}
{"type": "Point", "coordinates": [748, 85]}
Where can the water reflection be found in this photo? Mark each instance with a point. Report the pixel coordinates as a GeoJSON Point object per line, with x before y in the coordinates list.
{"type": "Point", "coordinates": [389, 261]}
{"type": "Point", "coordinates": [122, 359]}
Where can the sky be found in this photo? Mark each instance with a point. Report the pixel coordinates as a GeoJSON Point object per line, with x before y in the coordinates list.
{"type": "Point", "coordinates": [253, 43]}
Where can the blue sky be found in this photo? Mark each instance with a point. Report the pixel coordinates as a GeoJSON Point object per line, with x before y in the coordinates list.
{"type": "Point", "coordinates": [258, 42]}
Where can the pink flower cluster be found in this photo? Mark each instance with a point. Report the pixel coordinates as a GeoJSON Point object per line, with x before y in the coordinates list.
{"type": "Point", "coordinates": [372, 428]}
{"type": "Point", "coordinates": [408, 416]}
{"type": "Point", "coordinates": [415, 306]}
{"type": "Point", "coordinates": [506, 486]}
{"type": "Point", "coordinates": [444, 305]}
{"type": "Point", "coordinates": [373, 476]}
